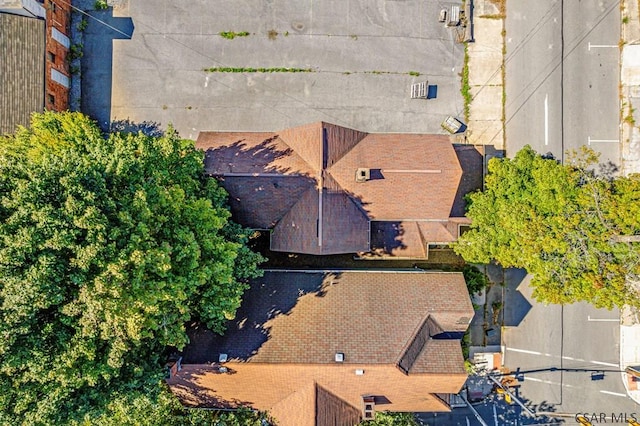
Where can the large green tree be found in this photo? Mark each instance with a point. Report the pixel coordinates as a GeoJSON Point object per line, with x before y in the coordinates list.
{"type": "Point", "coordinates": [565, 224]}
{"type": "Point", "coordinates": [108, 246]}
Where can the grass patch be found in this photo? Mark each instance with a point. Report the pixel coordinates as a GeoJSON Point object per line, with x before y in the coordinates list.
{"type": "Point", "coordinates": [466, 343]}
{"type": "Point", "coordinates": [257, 70]}
{"type": "Point", "coordinates": [465, 87]}
{"type": "Point", "coordinates": [296, 70]}
{"type": "Point", "coordinates": [629, 117]}
{"type": "Point", "coordinates": [82, 25]}
{"type": "Point", "coordinates": [503, 70]}
{"type": "Point", "coordinates": [75, 52]}
{"type": "Point", "coordinates": [272, 34]}
{"type": "Point", "coordinates": [230, 35]}
{"type": "Point", "coordinates": [494, 16]}
{"type": "Point", "coordinates": [101, 5]}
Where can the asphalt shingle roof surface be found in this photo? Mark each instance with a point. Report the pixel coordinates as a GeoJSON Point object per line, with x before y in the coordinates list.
{"type": "Point", "coordinates": [302, 182]}
{"type": "Point", "coordinates": [370, 317]}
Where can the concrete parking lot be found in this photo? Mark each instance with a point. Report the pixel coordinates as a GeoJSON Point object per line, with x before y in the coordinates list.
{"type": "Point", "coordinates": [362, 56]}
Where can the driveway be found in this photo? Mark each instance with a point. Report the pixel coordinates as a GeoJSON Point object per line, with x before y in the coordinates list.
{"type": "Point", "coordinates": [360, 57]}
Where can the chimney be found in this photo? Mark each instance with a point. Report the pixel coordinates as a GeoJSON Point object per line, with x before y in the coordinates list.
{"type": "Point", "coordinates": [369, 407]}
{"type": "Point", "coordinates": [363, 174]}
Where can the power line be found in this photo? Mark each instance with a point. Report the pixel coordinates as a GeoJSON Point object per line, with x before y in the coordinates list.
{"type": "Point", "coordinates": [93, 17]}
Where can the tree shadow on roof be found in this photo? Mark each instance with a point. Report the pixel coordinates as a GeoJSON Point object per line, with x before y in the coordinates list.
{"type": "Point", "coordinates": [387, 238]}
{"type": "Point", "coordinates": [188, 386]}
{"type": "Point", "coordinates": [267, 298]}
{"type": "Point", "coordinates": [241, 155]}
{"type": "Point", "coordinates": [262, 186]}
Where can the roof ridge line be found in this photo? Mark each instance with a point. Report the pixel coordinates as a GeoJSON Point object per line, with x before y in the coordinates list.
{"type": "Point", "coordinates": [278, 134]}
{"type": "Point", "coordinates": [347, 151]}
{"type": "Point", "coordinates": [407, 346]}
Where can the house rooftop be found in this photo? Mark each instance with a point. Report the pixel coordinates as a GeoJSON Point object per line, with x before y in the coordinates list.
{"type": "Point", "coordinates": [319, 186]}
{"type": "Point", "coordinates": [308, 345]}
{"type": "Point", "coordinates": [370, 317]}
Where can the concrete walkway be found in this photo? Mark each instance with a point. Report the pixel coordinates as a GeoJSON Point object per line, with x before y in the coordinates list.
{"type": "Point", "coordinates": [630, 137]}
{"type": "Point", "coordinates": [485, 64]}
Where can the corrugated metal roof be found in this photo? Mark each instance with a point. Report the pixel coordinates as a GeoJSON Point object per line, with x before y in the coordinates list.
{"type": "Point", "coordinates": [22, 62]}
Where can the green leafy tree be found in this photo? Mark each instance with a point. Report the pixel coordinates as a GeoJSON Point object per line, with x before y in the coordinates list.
{"type": "Point", "coordinates": [387, 418]}
{"type": "Point", "coordinates": [157, 406]}
{"type": "Point", "coordinates": [108, 246]}
{"type": "Point", "coordinates": [475, 279]}
{"type": "Point", "coordinates": [561, 223]}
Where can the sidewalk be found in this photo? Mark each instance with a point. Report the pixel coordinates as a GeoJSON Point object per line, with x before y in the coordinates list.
{"type": "Point", "coordinates": [485, 65]}
{"type": "Point", "coordinates": [486, 327]}
{"type": "Point", "coordinates": [630, 163]}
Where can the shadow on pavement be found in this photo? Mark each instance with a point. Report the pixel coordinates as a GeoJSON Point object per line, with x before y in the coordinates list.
{"type": "Point", "coordinates": [494, 410]}
{"type": "Point", "coordinates": [97, 62]}
{"type": "Point", "coordinates": [148, 128]}
{"type": "Point", "coordinates": [516, 306]}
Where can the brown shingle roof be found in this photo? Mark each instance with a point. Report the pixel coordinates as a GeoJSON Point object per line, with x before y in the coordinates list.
{"type": "Point", "coordinates": [267, 386]}
{"type": "Point", "coordinates": [398, 239]}
{"type": "Point", "coordinates": [413, 178]}
{"type": "Point", "coordinates": [291, 324]}
{"type": "Point", "coordinates": [306, 318]}
{"type": "Point", "coordinates": [416, 176]}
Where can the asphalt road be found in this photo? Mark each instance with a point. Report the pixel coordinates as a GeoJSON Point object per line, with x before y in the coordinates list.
{"type": "Point", "coordinates": [562, 73]}
{"type": "Point", "coordinates": [569, 356]}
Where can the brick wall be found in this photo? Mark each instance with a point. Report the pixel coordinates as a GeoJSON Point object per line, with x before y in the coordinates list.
{"type": "Point", "coordinates": [58, 17]}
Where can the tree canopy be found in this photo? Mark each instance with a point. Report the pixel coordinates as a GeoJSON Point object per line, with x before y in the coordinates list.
{"type": "Point", "coordinates": [109, 244]}
{"type": "Point", "coordinates": [562, 223]}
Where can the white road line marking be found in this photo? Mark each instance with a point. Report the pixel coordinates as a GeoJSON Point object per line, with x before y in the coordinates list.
{"type": "Point", "coordinates": [614, 393]}
{"type": "Point", "coordinates": [569, 358]}
{"type": "Point", "coordinates": [548, 382]}
{"type": "Point", "coordinates": [546, 119]}
{"type": "Point", "coordinates": [524, 351]}
{"type": "Point", "coordinates": [589, 140]}
{"type": "Point", "coordinates": [602, 319]}
{"type": "Point", "coordinates": [601, 45]}
{"type": "Point", "coordinates": [609, 364]}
